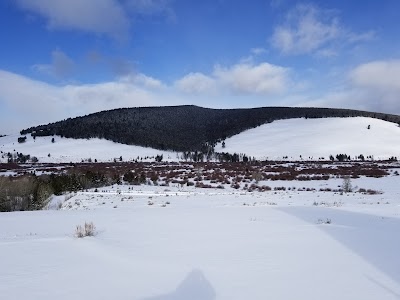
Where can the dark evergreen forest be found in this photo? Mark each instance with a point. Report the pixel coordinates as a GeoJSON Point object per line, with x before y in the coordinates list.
{"type": "Point", "coordinates": [182, 128]}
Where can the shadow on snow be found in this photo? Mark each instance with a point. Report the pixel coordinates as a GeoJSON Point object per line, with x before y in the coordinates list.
{"type": "Point", "coordinates": [372, 237]}
{"type": "Point", "coordinates": [195, 286]}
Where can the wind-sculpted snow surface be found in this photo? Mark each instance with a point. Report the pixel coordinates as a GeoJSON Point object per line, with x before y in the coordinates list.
{"type": "Point", "coordinates": [175, 243]}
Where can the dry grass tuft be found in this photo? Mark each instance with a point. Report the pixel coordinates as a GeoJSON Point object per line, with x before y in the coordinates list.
{"type": "Point", "coordinates": [86, 230]}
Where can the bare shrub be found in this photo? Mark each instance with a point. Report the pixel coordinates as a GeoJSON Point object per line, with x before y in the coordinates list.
{"type": "Point", "coordinates": [373, 192]}
{"type": "Point", "coordinates": [265, 188]}
{"type": "Point", "coordinates": [88, 229]}
{"type": "Point", "coordinates": [257, 176]}
{"type": "Point", "coordinates": [235, 185]}
{"type": "Point", "coordinates": [202, 185]}
{"type": "Point", "coordinates": [369, 191]}
{"type": "Point", "coordinates": [346, 185]}
{"type": "Point", "coordinates": [279, 188]}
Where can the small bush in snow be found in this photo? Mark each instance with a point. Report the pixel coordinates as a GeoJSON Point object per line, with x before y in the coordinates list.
{"type": "Point", "coordinates": [373, 192]}
{"type": "Point", "coordinates": [86, 230]}
{"type": "Point", "coordinates": [321, 221]}
{"type": "Point", "coordinates": [369, 191]}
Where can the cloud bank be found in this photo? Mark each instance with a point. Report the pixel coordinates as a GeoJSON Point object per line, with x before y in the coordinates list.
{"type": "Point", "coordinates": [371, 86]}
{"type": "Point", "coordinates": [35, 102]}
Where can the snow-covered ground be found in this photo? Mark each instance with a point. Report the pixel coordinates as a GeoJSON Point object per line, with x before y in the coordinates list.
{"type": "Point", "coordinates": [177, 242]}
{"type": "Point", "coordinates": [206, 244]}
{"type": "Point", "coordinates": [315, 138]}
{"type": "Point", "coordinates": [308, 138]}
{"type": "Point", "coordinates": [75, 150]}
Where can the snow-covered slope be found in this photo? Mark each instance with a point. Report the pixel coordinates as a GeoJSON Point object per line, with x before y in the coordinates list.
{"type": "Point", "coordinates": [308, 138]}
{"type": "Point", "coordinates": [74, 150]}
{"type": "Point", "coordinates": [317, 138]}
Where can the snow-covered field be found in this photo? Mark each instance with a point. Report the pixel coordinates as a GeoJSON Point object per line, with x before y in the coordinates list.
{"type": "Point", "coordinates": [179, 242]}
{"type": "Point", "coordinates": [205, 244]}
{"type": "Point", "coordinates": [65, 150]}
{"type": "Point", "coordinates": [296, 139]}
{"type": "Point", "coordinates": [315, 138]}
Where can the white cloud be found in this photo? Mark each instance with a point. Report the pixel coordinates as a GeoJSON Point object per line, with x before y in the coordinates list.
{"type": "Point", "coordinates": [196, 83]}
{"type": "Point", "coordinates": [108, 17]}
{"type": "Point", "coordinates": [379, 82]}
{"type": "Point", "coordinates": [33, 102]}
{"type": "Point", "coordinates": [263, 78]}
{"type": "Point", "coordinates": [61, 65]}
{"type": "Point", "coordinates": [308, 29]}
{"type": "Point", "coordinates": [304, 31]}
{"type": "Point", "coordinates": [95, 16]}
{"type": "Point", "coordinates": [373, 86]}
{"type": "Point", "coordinates": [143, 81]}
{"type": "Point", "coordinates": [378, 75]}
{"type": "Point", "coordinates": [244, 77]}
{"type": "Point", "coordinates": [258, 51]}
{"type": "Point", "coordinates": [326, 53]}
{"type": "Point", "coordinates": [24, 102]}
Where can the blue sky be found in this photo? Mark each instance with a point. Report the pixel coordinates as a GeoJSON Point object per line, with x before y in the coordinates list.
{"type": "Point", "coordinates": [64, 58]}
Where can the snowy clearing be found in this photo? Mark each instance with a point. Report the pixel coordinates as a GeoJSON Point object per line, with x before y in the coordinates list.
{"type": "Point", "coordinates": [65, 150]}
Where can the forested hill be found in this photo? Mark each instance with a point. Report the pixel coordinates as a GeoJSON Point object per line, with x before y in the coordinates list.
{"type": "Point", "coordinates": [182, 128]}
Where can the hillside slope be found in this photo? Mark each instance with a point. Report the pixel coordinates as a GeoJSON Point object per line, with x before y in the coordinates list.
{"type": "Point", "coordinates": [181, 128]}
{"type": "Point", "coordinates": [310, 138]}
{"type": "Point", "coordinates": [315, 138]}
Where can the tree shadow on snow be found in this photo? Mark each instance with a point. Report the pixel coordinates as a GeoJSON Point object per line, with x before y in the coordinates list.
{"type": "Point", "coordinates": [195, 286]}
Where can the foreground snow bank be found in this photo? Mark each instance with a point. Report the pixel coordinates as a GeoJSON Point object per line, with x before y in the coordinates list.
{"type": "Point", "coordinates": [203, 247]}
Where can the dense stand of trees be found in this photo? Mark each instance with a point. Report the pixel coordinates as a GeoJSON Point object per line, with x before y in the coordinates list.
{"type": "Point", "coordinates": [182, 128]}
